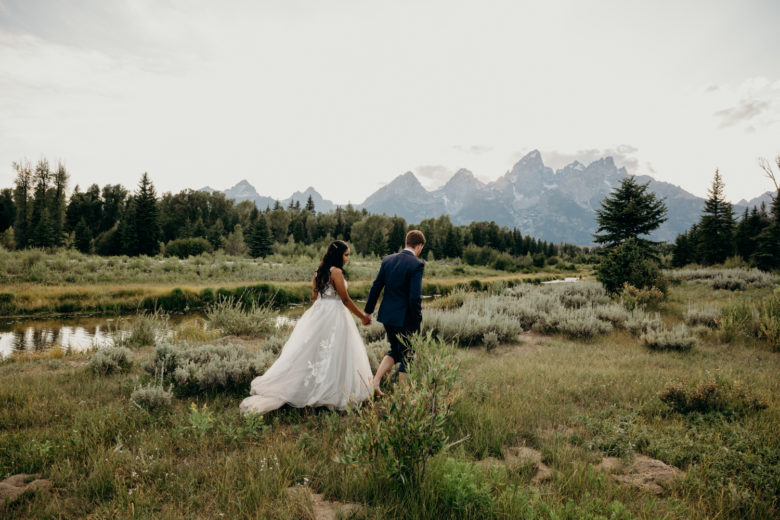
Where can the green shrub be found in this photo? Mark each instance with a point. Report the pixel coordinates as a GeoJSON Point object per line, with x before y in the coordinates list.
{"type": "Point", "coordinates": [769, 322]}
{"type": "Point", "coordinates": [679, 338]}
{"type": "Point", "coordinates": [372, 333]}
{"type": "Point", "coordinates": [490, 340]}
{"type": "Point", "coordinates": [628, 263]}
{"type": "Point", "coordinates": [376, 352]}
{"type": "Point", "coordinates": [276, 341]}
{"type": "Point", "coordinates": [185, 247]}
{"type": "Point", "coordinates": [461, 489]}
{"type": "Point", "coordinates": [208, 368]}
{"type": "Point", "coordinates": [146, 329]}
{"type": "Point", "coordinates": [706, 315]}
{"type": "Point", "coordinates": [109, 360]}
{"type": "Point", "coordinates": [152, 397]}
{"type": "Point", "coordinates": [393, 438]}
{"type": "Point", "coordinates": [236, 318]}
{"type": "Point", "coordinates": [632, 297]}
{"type": "Point", "coordinates": [711, 395]}
{"type": "Point", "coordinates": [468, 324]}
{"type": "Point", "coordinates": [739, 320]}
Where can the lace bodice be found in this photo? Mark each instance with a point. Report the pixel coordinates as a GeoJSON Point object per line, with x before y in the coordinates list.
{"type": "Point", "coordinates": [330, 292]}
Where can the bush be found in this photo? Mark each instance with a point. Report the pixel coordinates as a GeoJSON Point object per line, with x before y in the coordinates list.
{"type": "Point", "coordinates": [490, 341]}
{"type": "Point", "coordinates": [633, 297]}
{"type": "Point", "coordinates": [678, 338]}
{"type": "Point", "coordinates": [394, 438]}
{"type": "Point", "coordinates": [712, 395]}
{"type": "Point", "coordinates": [209, 368]}
{"type": "Point", "coordinates": [706, 315]}
{"type": "Point", "coordinates": [147, 329]}
{"type": "Point", "coordinates": [769, 322]}
{"type": "Point", "coordinates": [468, 324]}
{"type": "Point", "coordinates": [185, 247]}
{"type": "Point", "coordinates": [732, 279]}
{"type": "Point", "coordinates": [372, 333]}
{"type": "Point", "coordinates": [109, 360]}
{"type": "Point", "coordinates": [152, 397]}
{"type": "Point", "coordinates": [236, 318]}
{"type": "Point", "coordinates": [275, 342]}
{"type": "Point", "coordinates": [628, 263]}
{"type": "Point", "coordinates": [462, 489]}
{"type": "Point", "coordinates": [376, 352]}
{"type": "Point", "coordinates": [739, 319]}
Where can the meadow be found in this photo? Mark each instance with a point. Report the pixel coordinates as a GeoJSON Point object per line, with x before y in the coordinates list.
{"type": "Point", "coordinates": [68, 282]}
{"type": "Point", "coordinates": [557, 401]}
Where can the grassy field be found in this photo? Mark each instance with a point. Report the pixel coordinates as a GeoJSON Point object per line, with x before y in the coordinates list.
{"type": "Point", "coordinates": [574, 398]}
{"type": "Point", "coordinates": [68, 282]}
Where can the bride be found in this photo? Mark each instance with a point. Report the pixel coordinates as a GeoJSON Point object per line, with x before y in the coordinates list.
{"type": "Point", "coordinates": [324, 363]}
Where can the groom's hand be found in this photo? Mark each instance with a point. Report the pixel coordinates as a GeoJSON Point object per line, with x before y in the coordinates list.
{"type": "Point", "coordinates": [366, 319]}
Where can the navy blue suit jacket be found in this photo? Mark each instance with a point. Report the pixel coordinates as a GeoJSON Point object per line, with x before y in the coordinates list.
{"type": "Point", "coordinates": [401, 277]}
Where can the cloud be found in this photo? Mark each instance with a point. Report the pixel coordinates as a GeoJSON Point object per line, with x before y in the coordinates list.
{"type": "Point", "coordinates": [753, 103]}
{"type": "Point", "coordinates": [475, 149]}
{"type": "Point", "coordinates": [624, 155]}
{"type": "Point", "coordinates": [433, 176]}
{"type": "Point", "coordinates": [745, 110]}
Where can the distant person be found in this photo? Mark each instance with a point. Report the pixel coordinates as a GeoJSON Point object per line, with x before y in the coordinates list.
{"type": "Point", "coordinates": [324, 363]}
{"type": "Point", "coordinates": [401, 310]}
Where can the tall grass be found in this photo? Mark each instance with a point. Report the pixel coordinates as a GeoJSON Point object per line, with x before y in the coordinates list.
{"type": "Point", "coordinates": [234, 317]}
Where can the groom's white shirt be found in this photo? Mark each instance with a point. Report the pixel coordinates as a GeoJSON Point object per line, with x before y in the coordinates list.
{"type": "Point", "coordinates": [410, 250]}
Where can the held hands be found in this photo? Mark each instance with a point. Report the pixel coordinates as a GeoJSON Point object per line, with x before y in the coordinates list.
{"type": "Point", "coordinates": [366, 319]}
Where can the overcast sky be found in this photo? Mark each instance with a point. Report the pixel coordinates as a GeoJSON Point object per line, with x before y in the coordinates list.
{"type": "Point", "coordinates": [346, 95]}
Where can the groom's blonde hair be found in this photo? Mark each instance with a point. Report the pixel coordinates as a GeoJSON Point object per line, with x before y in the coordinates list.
{"type": "Point", "coordinates": [414, 238]}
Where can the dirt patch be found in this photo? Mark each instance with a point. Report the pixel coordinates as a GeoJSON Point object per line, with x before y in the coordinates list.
{"type": "Point", "coordinates": [15, 486]}
{"type": "Point", "coordinates": [644, 472]}
{"type": "Point", "coordinates": [321, 509]}
{"type": "Point", "coordinates": [521, 455]}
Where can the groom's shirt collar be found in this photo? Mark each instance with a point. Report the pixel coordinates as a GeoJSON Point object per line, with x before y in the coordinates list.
{"type": "Point", "coordinates": [410, 250]}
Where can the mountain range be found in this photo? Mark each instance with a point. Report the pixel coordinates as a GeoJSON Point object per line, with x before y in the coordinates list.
{"type": "Point", "coordinates": [553, 205]}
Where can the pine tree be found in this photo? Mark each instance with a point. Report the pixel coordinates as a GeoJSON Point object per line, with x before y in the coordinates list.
{"type": "Point", "coordinates": [378, 243]}
{"type": "Point", "coordinates": [83, 236]}
{"type": "Point", "coordinates": [310, 204]}
{"type": "Point", "coordinates": [716, 228]}
{"type": "Point", "coordinates": [128, 230]}
{"type": "Point", "coordinates": [7, 209]}
{"type": "Point", "coordinates": [147, 216]}
{"type": "Point", "coordinates": [22, 200]}
{"type": "Point", "coordinates": [453, 243]}
{"type": "Point", "coordinates": [747, 232]}
{"type": "Point", "coordinates": [397, 237]}
{"type": "Point", "coordinates": [261, 244]}
{"type": "Point", "coordinates": [42, 234]}
{"type": "Point", "coordinates": [767, 255]}
{"type": "Point", "coordinates": [630, 212]}
{"type": "Point", "coordinates": [58, 204]}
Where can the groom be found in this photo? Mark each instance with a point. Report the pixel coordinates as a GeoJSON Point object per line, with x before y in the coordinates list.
{"type": "Point", "coordinates": [401, 310]}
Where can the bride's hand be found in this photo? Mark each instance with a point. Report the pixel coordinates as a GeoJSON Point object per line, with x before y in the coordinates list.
{"type": "Point", "coordinates": [366, 319]}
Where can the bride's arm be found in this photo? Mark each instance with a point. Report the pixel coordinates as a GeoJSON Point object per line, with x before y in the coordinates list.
{"type": "Point", "coordinates": [337, 277]}
{"type": "Point", "coordinates": [314, 291]}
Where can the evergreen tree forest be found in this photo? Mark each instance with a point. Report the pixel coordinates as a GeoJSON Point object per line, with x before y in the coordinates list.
{"type": "Point", "coordinates": [753, 238]}
{"type": "Point", "coordinates": [113, 220]}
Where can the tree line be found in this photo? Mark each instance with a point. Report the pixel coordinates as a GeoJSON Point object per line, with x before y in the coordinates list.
{"type": "Point", "coordinates": [718, 235]}
{"type": "Point", "coordinates": [113, 221]}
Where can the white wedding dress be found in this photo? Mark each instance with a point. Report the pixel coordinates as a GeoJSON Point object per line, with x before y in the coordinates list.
{"type": "Point", "coordinates": [324, 363]}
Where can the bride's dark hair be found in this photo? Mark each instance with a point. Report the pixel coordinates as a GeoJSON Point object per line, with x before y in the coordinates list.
{"type": "Point", "coordinates": [333, 257]}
